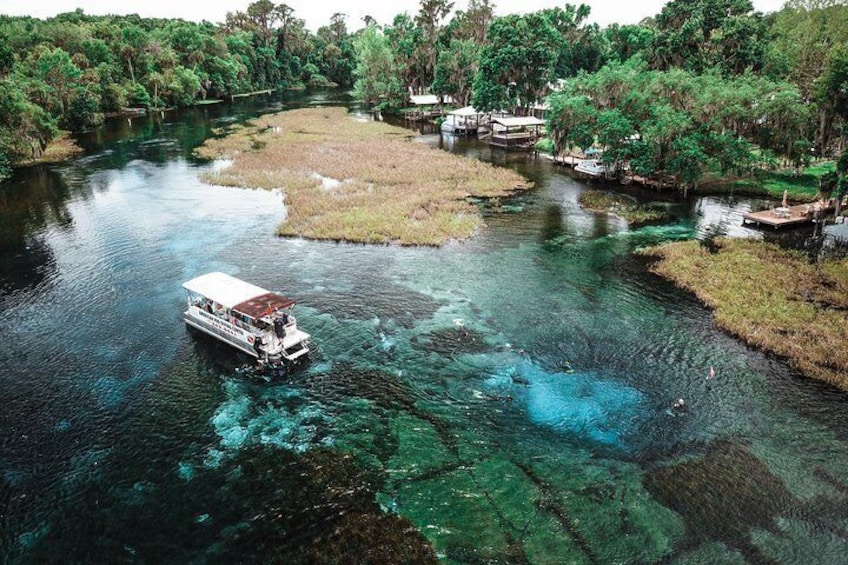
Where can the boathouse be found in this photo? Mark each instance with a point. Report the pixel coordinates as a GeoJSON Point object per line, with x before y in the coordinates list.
{"type": "Point", "coordinates": [426, 106]}
{"type": "Point", "coordinates": [465, 121]}
{"type": "Point", "coordinates": [516, 133]}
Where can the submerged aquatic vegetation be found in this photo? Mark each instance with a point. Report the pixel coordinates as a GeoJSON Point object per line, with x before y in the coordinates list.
{"type": "Point", "coordinates": [723, 495]}
{"type": "Point", "coordinates": [452, 341]}
{"type": "Point", "coordinates": [358, 181]}
{"type": "Point", "coordinates": [264, 505]}
{"type": "Point", "coordinates": [622, 206]}
{"type": "Point", "coordinates": [770, 297]}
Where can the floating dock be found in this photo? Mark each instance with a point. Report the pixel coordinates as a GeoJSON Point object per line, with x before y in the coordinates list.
{"type": "Point", "coordinates": [787, 216]}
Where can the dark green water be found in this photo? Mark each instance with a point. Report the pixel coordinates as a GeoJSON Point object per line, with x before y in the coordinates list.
{"type": "Point", "coordinates": [499, 401]}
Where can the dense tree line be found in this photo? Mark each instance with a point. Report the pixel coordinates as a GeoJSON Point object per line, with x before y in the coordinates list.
{"type": "Point", "coordinates": [721, 84]}
{"type": "Point", "coordinates": [68, 71]}
{"type": "Point", "coordinates": [705, 84]}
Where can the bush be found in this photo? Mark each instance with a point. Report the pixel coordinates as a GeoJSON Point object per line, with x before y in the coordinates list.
{"type": "Point", "coordinates": [138, 96]}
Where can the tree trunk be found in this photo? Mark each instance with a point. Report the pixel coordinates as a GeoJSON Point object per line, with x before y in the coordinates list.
{"type": "Point", "coordinates": [132, 73]}
{"type": "Point", "coordinates": [824, 131]}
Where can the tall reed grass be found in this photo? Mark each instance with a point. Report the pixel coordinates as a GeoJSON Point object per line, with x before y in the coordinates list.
{"type": "Point", "coordinates": [349, 180]}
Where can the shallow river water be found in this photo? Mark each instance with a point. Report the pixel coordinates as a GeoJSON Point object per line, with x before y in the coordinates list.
{"type": "Point", "coordinates": [510, 397]}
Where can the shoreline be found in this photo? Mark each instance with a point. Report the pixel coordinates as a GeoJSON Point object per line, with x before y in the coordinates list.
{"type": "Point", "coordinates": [769, 298]}
{"type": "Point", "coordinates": [60, 149]}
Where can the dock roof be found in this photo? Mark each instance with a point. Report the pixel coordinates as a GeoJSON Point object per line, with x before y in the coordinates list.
{"type": "Point", "coordinates": [424, 99]}
{"type": "Point", "coordinates": [519, 122]}
{"type": "Point", "coordinates": [466, 111]}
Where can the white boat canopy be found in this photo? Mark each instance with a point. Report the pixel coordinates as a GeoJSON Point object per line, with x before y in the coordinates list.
{"type": "Point", "coordinates": [424, 99]}
{"type": "Point", "coordinates": [528, 121]}
{"type": "Point", "coordinates": [466, 111]}
{"type": "Point", "coordinates": [235, 294]}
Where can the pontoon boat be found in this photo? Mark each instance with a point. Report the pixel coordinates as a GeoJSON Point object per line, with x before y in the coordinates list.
{"type": "Point", "coordinates": [250, 318]}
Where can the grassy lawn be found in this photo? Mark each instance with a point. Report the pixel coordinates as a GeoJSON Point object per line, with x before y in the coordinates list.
{"type": "Point", "coordinates": [358, 181]}
{"type": "Point", "coordinates": [769, 297]}
{"type": "Point", "coordinates": [802, 187]}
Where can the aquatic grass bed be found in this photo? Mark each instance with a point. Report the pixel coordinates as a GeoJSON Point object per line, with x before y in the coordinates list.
{"type": "Point", "coordinates": [770, 297]}
{"type": "Point", "coordinates": [358, 181]}
{"type": "Point", "coordinates": [634, 213]}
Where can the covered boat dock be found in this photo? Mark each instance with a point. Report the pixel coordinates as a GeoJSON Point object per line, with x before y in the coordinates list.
{"type": "Point", "coordinates": [516, 133]}
{"type": "Point", "coordinates": [465, 121]}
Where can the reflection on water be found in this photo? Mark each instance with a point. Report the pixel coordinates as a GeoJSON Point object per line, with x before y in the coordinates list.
{"type": "Point", "coordinates": [510, 397]}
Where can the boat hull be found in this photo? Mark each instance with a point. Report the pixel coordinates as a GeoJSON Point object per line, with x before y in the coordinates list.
{"type": "Point", "coordinates": [221, 330]}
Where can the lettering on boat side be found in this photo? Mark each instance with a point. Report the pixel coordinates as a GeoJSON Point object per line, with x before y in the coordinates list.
{"type": "Point", "coordinates": [220, 325]}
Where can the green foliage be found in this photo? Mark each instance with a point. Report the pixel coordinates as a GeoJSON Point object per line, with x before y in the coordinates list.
{"type": "Point", "coordinates": [25, 128]}
{"type": "Point", "coordinates": [678, 123]}
{"type": "Point", "coordinates": [83, 110]}
{"type": "Point", "coordinates": [71, 69]}
{"type": "Point", "coordinates": [545, 145]}
{"type": "Point", "coordinates": [377, 80]}
{"type": "Point", "coordinates": [518, 62]}
{"type": "Point", "coordinates": [138, 96]}
{"type": "Point", "coordinates": [698, 35]}
{"type": "Point", "coordinates": [626, 41]}
{"type": "Point", "coordinates": [455, 70]}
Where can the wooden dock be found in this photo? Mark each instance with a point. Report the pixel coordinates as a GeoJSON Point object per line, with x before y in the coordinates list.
{"type": "Point", "coordinates": [787, 216]}
{"type": "Point", "coordinates": [254, 93]}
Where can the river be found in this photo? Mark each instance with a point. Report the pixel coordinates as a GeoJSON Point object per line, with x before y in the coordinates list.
{"type": "Point", "coordinates": [511, 396]}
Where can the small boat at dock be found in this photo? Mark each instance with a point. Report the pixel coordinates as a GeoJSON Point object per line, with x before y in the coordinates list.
{"type": "Point", "coordinates": [250, 318]}
{"type": "Point", "coordinates": [594, 168]}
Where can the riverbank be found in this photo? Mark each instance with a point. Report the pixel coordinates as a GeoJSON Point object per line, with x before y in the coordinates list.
{"type": "Point", "coordinates": [800, 186]}
{"type": "Point", "coordinates": [61, 148]}
{"type": "Point", "coordinates": [771, 298]}
{"type": "Point", "coordinates": [349, 180]}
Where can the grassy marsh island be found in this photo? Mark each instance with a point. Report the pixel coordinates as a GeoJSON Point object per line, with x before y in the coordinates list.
{"type": "Point", "coordinates": [771, 298]}
{"type": "Point", "coordinates": [358, 181]}
{"type": "Point", "coordinates": [629, 209]}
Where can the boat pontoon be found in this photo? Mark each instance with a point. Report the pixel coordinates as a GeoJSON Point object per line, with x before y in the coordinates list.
{"type": "Point", "coordinates": [250, 318]}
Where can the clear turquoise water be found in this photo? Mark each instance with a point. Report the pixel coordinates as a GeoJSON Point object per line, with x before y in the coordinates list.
{"type": "Point", "coordinates": [509, 397]}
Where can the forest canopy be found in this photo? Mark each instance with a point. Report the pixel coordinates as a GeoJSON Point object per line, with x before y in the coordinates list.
{"type": "Point", "coordinates": [703, 84]}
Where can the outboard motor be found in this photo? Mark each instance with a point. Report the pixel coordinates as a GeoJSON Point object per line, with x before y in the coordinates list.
{"type": "Point", "coordinates": [279, 328]}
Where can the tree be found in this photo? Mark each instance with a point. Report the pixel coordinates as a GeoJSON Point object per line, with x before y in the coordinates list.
{"type": "Point", "coordinates": [625, 41]}
{"type": "Point", "coordinates": [338, 26]}
{"type": "Point", "coordinates": [405, 39]}
{"type": "Point", "coordinates": [25, 128]}
{"type": "Point", "coordinates": [455, 70]}
{"type": "Point", "coordinates": [517, 63]}
{"type": "Point", "coordinates": [377, 81]}
{"type": "Point", "coordinates": [675, 122]}
{"type": "Point", "coordinates": [60, 75]}
{"type": "Point", "coordinates": [701, 34]}
{"type": "Point", "coordinates": [430, 15]}
{"type": "Point", "coordinates": [477, 19]}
